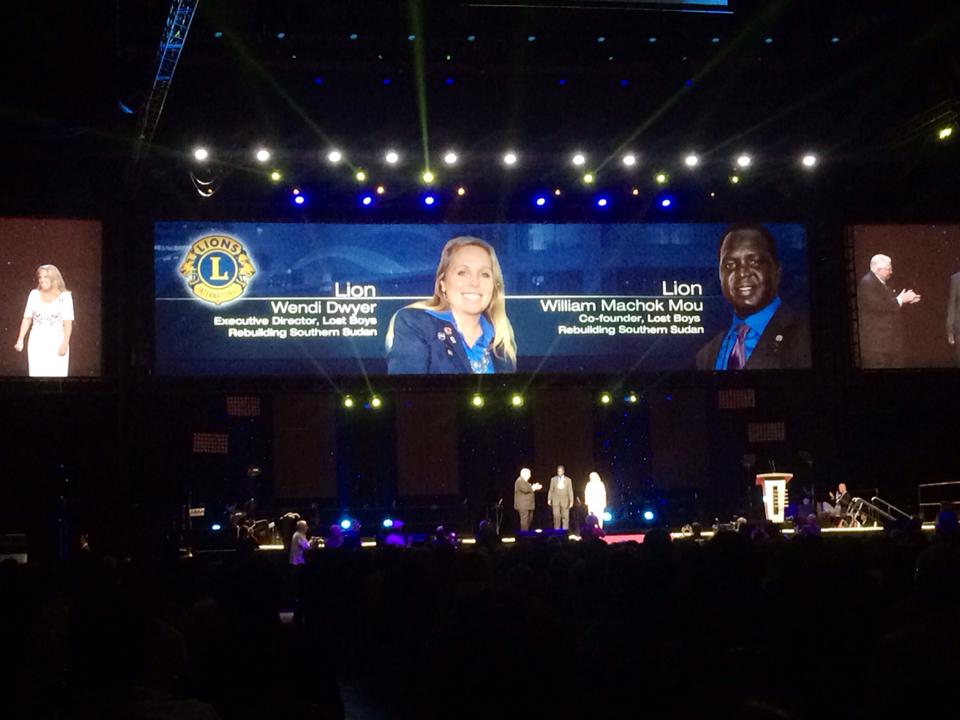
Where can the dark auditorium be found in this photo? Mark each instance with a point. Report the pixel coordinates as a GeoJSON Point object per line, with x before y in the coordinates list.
{"type": "Point", "coordinates": [259, 258]}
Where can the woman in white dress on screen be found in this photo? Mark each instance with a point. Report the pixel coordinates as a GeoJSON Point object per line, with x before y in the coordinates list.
{"type": "Point", "coordinates": [49, 312]}
{"type": "Point", "coordinates": [595, 497]}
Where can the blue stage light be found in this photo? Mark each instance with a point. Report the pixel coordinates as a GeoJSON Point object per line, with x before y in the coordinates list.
{"type": "Point", "coordinates": [299, 199]}
{"type": "Point", "coordinates": [346, 524]}
{"type": "Point", "coordinates": [607, 517]}
{"type": "Point", "coordinates": [366, 200]}
{"type": "Point", "coordinates": [540, 201]}
{"type": "Point", "coordinates": [562, 81]}
{"type": "Point", "coordinates": [216, 527]}
{"type": "Point", "coordinates": [429, 199]}
{"type": "Point", "coordinates": [666, 202]}
{"type": "Point", "coordinates": [354, 36]}
{"type": "Point", "coordinates": [648, 515]}
{"type": "Point", "coordinates": [318, 80]}
{"type": "Point", "coordinates": [448, 81]}
{"type": "Point", "coordinates": [388, 523]}
{"type": "Point", "coordinates": [471, 38]}
{"type": "Point", "coordinates": [602, 201]}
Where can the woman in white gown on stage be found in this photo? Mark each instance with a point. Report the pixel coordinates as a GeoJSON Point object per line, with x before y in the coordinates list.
{"type": "Point", "coordinates": [595, 497]}
{"type": "Point", "coordinates": [49, 312]}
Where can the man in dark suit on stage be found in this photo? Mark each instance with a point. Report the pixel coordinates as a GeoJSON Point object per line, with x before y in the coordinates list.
{"type": "Point", "coordinates": [524, 500]}
{"type": "Point", "coordinates": [765, 334]}
{"type": "Point", "coordinates": [881, 334]}
{"type": "Point", "coordinates": [953, 315]}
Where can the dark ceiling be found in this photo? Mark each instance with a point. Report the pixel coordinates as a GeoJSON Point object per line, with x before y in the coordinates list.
{"type": "Point", "coordinates": [864, 83]}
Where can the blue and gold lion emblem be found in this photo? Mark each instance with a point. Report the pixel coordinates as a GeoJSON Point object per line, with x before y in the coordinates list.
{"type": "Point", "coordinates": [217, 268]}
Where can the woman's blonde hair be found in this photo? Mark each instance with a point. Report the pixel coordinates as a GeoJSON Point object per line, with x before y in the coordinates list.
{"type": "Point", "coordinates": [504, 343]}
{"type": "Point", "coordinates": [56, 279]}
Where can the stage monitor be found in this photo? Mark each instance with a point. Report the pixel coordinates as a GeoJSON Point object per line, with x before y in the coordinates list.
{"type": "Point", "coordinates": [50, 273]}
{"type": "Point", "coordinates": [905, 294]}
{"type": "Point", "coordinates": [253, 299]}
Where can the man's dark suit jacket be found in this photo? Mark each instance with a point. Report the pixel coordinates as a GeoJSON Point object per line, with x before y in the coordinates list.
{"type": "Point", "coordinates": [881, 339]}
{"type": "Point", "coordinates": [785, 344]}
{"type": "Point", "coordinates": [953, 311]}
{"type": "Point", "coordinates": [426, 345]}
{"type": "Point", "coordinates": [523, 497]}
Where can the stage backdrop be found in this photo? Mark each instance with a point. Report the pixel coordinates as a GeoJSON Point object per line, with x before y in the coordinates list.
{"type": "Point", "coordinates": [73, 246]}
{"type": "Point", "coordinates": [925, 259]}
{"type": "Point", "coordinates": [279, 299]}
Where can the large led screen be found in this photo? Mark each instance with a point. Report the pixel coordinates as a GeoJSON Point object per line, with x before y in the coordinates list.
{"type": "Point", "coordinates": [907, 281]}
{"type": "Point", "coordinates": [335, 299]}
{"type": "Point", "coordinates": [50, 297]}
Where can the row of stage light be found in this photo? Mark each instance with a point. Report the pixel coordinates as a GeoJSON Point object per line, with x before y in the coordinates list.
{"type": "Point", "coordinates": [511, 158]}
{"type": "Point", "coordinates": [479, 400]}
{"type": "Point", "coordinates": [736, 167]}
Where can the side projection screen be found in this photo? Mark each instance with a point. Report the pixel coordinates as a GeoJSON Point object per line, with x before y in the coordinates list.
{"type": "Point", "coordinates": [50, 280]}
{"type": "Point", "coordinates": [350, 299]}
{"type": "Point", "coordinates": [907, 284]}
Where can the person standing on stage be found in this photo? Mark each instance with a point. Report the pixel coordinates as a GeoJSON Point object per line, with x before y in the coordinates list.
{"type": "Point", "coordinates": [595, 497]}
{"type": "Point", "coordinates": [524, 500]}
{"type": "Point", "coordinates": [560, 498]}
{"type": "Point", "coordinates": [50, 313]}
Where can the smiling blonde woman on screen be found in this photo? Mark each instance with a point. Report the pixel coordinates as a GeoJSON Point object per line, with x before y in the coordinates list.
{"type": "Point", "coordinates": [49, 313]}
{"type": "Point", "coordinates": [464, 327]}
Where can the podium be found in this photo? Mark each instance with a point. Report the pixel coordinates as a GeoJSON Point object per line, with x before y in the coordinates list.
{"type": "Point", "coordinates": [774, 494]}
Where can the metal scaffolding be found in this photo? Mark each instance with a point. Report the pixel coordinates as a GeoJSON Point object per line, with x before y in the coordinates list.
{"type": "Point", "coordinates": [171, 45]}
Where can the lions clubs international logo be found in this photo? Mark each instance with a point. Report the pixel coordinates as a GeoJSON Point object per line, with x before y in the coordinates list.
{"type": "Point", "coordinates": [217, 268]}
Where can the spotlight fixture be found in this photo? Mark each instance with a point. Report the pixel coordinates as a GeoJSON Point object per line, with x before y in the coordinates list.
{"type": "Point", "coordinates": [635, 192]}
{"type": "Point", "coordinates": [691, 160]}
{"type": "Point", "coordinates": [605, 398]}
{"type": "Point", "coordinates": [629, 160]}
{"type": "Point", "coordinates": [578, 159]}
{"type": "Point", "coordinates": [809, 161]}
{"type": "Point", "coordinates": [631, 398]}
{"type": "Point", "coordinates": [540, 201]}
{"type": "Point", "coordinates": [461, 191]}
{"type": "Point", "coordinates": [200, 154]}
{"type": "Point", "coordinates": [346, 524]}
{"type": "Point", "coordinates": [557, 192]}
{"type": "Point", "coordinates": [666, 202]}
{"type": "Point", "coordinates": [392, 157]}
{"type": "Point", "coordinates": [450, 157]}
{"type": "Point", "coordinates": [428, 177]}
{"type": "Point", "coordinates": [516, 400]}
{"type": "Point", "coordinates": [649, 515]}
{"type": "Point", "coordinates": [510, 158]}
{"type": "Point", "coordinates": [602, 201]}
{"type": "Point", "coordinates": [477, 401]}
{"type": "Point", "coordinates": [588, 178]}
{"type": "Point", "coordinates": [334, 156]}
{"type": "Point", "coordinates": [276, 176]}
{"type": "Point", "coordinates": [661, 178]}
{"type": "Point", "coordinates": [734, 179]}
{"type": "Point", "coordinates": [381, 189]}
{"type": "Point", "coordinates": [429, 199]}
{"type": "Point", "coordinates": [348, 402]}
{"type": "Point", "coordinates": [262, 155]}
{"type": "Point", "coordinates": [945, 132]}
{"type": "Point", "coordinates": [387, 523]}
{"type": "Point", "coordinates": [299, 199]}
{"type": "Point", "coordinates": [366, 200]}
{"type": "Point", "coordinates": [361, 176]}
{"type": "Point", "coordinates": [375, 402]}
{"type": "Point", "coordinates": [744, 161]}
{"type": "Point", "coordinates": [607, 516]}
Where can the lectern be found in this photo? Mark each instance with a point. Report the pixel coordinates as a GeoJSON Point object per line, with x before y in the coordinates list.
{"type": "Point", "coordinates": [774, 494]}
